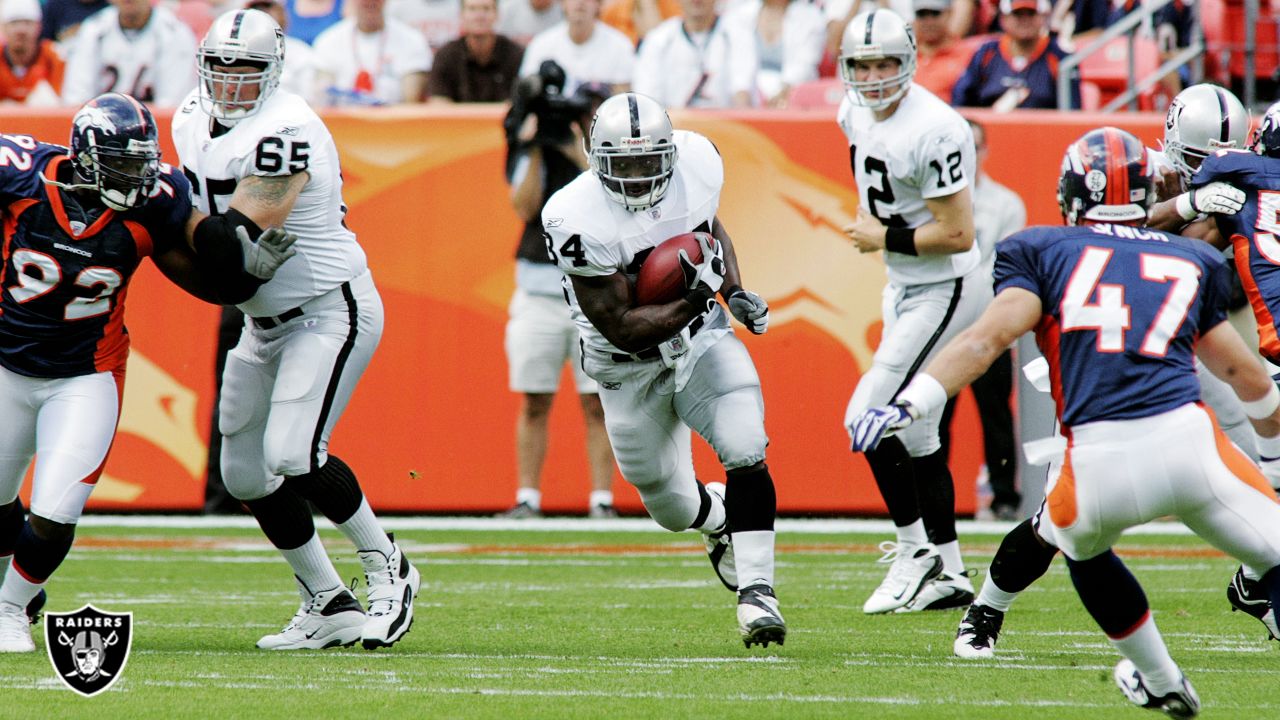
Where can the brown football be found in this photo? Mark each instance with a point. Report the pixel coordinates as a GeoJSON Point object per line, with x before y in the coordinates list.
{"type": "Point", "coordinates": [661, 280]}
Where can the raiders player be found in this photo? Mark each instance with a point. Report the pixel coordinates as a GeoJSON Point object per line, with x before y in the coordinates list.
{"type": "Point", "coordinates": [913, 159]}
{"type": "Point", "coordinates": [666, 369]}
{"type": "Point", "coordinates": [255, 156]}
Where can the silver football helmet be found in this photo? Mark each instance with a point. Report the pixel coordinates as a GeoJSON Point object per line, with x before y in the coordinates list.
{"type": "Point", "coordinates": [1203, 119]}
{"type": "Point", "coordinates": [240, 39]}
{"type": "Point", "coordinates": [873, 35]}
{"type": "Point", "coordinates": [633, 150]}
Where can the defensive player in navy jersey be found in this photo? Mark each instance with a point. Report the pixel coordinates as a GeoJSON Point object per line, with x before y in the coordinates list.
{"type": "Point", "coordinates": [77, 223]}
{"type": "Point", "coordinates": [1120, 313]}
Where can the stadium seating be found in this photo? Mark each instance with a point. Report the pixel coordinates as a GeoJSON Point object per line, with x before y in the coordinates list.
{"type": "Point", "coordinates": [1108, 70]}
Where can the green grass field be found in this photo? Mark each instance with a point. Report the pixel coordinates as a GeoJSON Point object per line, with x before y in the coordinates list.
{"type": "Point", "coordinates": [621, 623]}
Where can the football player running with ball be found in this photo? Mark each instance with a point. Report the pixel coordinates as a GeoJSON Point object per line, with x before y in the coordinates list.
{"type": "Point", "coordinates": [257, 156]}
{"type": "Point", "coordinates": [667, 368]}
{"type": "Point", "coordinates": [914, 162]}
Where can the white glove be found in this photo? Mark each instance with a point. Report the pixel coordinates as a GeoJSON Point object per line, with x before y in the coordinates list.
{"type": "Point", "coordinates": [873, 425]}
{"type": "Point", "coordinates": [750, 309]}
{"type": "Point", "coordinates": [705, 278]}
{"type": "Point", "coordinates": [264, 257]}
{"type": "Point", "coordinates": [1215, 198]}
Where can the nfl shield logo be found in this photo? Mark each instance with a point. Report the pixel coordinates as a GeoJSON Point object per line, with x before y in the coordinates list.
{"type": "Point", "coordinates": [88, 647]}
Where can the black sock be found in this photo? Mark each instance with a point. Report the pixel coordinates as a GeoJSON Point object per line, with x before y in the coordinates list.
{"type": "Point", "coordinates": [750, 501]}
{"type": "Point", "coordinates": [1109, 592]}
{"type": "Point", "coordinates": [937, 497]}
{"type": "Point", "coordinates": [284, 518]}
{"type": "Point", "coordinates": [895, 476]}
{"type": "Point", "coordinates": [37, 557]}
{"type": "Point", "coordinates": [1021, 560]}
{"type": "Point", "coordinates": [332, 489]}
{"type": "Point", "coordinates": [12, 519]}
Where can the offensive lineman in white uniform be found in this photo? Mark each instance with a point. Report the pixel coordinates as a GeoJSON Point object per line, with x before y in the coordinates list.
{"type": "Point", "coordinates": [261, 156]}
{"type": "Point", "coordinates": [913, 159]}
{"type": "Point", "coordinates": [664, 369]}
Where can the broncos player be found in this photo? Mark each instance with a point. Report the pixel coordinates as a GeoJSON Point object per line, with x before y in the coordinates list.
{"type": "Point", "coordinates": [258, 156]}
{"type": "Point", "coordinates": [1119, 312]}
{"type": "Point", "coordinates": [914, 162]}
{"type": "Point", "coordinates": [77, 223]}
{"type": "Point", "coordinates": [666, 369]}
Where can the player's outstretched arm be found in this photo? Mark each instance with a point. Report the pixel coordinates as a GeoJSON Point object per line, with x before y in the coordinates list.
{"type": "Point", "coordinates": [606, 301]}
{"type": "Point", "coordinates": [226, 257]}
{"type": "Point", "coordinates": [268, 200]}
{"type": "Point", "coordinates": [1225, 354]}
{"type": "Point", "coordinates": [749, 308]}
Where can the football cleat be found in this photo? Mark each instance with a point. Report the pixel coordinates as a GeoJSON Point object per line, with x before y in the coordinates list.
{"type": "Point", "coordinates": [976, 636]}
{"type": "Point", "coordinates": [945, 592]}
{"type": "Point", "coordinates": [1248, 596]}
{"type": "Point", "coordinates": [1182, 703]}
{"type": "Point", "coordinates": [36, 605]}
{"type": "Point", "coordinates": [720, 546]}
{"type": "Point", "coordinates": [759, 620]}
{"type": "Point", "coordinates": [601, 511]}
{"type": "Point", "coordinates": [330, 618]}
{"type": "Point", "coordinates": [521, 511]}
{"type": "Point", "coordinates": [15, 630]}
{"type": "Point", "coordinates": [911, 567]}
{"type": "Point", "coordinates": [393, 584]}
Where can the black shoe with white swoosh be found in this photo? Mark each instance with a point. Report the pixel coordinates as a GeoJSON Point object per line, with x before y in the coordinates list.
{"type": "Point", "coordinates": [1248, 596]}
{"type": "Point", "coordinates": [1182, 703]}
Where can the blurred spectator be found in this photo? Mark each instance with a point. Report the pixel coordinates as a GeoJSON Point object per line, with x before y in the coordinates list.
{"type": "Point", "coordinates": [62, 18]}
{"type": "Point", "coordinates": [521, 20]}
{"type": "Point", "coordinates": [299, 74]}
{"type": "Point", "coordinates": [588, 50]}
{"type": "Point", "coordinates": [1078, 21]}
{"type": "Point", "coordinates": [789, 38]}
{"type": "Point", "coordinates": [481, 65]}
{"type": "Point", "coordinates": [1018, 69]}
{"type": "Point", "coordinates": [134, 48]}
{"type": "Point", "coordinates": [31, 73]}
{"type": "Point", "coordinates": [940, 56]}
{"type": "Point", "coordinates": [439, 21]}
{"type": "Point", "coordinates": [309, 18]}
{"type": "Point", "coordinates": [697, 61]}
{"type": "Point", "coordinates": [635, 18]}
{"type": "Point", "coordinates": [370, 59]}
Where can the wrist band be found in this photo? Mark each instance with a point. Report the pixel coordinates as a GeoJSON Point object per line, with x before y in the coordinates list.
{"type": "Point", "coordinates": [1186, 209]}
{"type": "Point", "coordinates": [900, 240]}
{"type": "Point", "coordinates": [924, 393]}
{"type": "Point", "coordinates": [1268, 448]}
{"type": "Point", "coordinates": [1262, 408]}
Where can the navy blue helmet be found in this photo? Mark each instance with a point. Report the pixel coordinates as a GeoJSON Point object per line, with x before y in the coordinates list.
{"type": "Point", "coordinates": [1266, 137]}
{"type": "Point", "coordinates": [1105, 177]}
{"type": "Point", "coordinates": [115, 149]}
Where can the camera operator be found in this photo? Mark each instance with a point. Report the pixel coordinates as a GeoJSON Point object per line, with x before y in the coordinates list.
{"type": "Point", "coordinates": [545, 151]}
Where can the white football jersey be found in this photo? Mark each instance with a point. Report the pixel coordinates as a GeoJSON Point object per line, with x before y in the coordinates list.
{"type": "Point", "coordinates": [923, 151]}
{"type": "Point", "coordinates": [284, 137]}
{"type": "Point", "coordinates": [155, 64]}
{"type": "Point", "coordinates": [591, 235]}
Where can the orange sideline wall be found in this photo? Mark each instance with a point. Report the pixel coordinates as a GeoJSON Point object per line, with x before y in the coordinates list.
{"type": "Point", "coordinates": [431, 427]}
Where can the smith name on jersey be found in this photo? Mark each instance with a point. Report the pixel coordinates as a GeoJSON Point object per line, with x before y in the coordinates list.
{"type": "Point", "coordinates": [284, 137]}
{"type": "Point", "coordinates": [66, 271]}
{"type": "Point", "coordinates": [1252, 233]}
{"type": "Point", "coordinates": [1123, 309]}
{"type": "Point", "coordinates": [923, 151]}
{"type": "Point", "coordinates": [591, 235]}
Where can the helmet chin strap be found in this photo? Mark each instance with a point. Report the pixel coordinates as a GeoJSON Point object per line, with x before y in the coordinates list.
{"type": "Point", "coordinates": [67, 186]}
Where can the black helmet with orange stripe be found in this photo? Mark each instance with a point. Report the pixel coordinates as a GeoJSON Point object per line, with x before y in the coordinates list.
{"type": "Point", "coordinates": [1105, 177]}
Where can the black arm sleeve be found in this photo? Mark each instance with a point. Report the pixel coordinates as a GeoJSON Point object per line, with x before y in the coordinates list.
{"type": "Point", "coordinates": [219, 258]}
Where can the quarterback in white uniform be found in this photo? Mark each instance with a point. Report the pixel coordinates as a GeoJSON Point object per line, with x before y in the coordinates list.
{"type": "Point", "coordinates": [666, 369]}
{"type": "Point", "coordinates": [914, 162]}
{"type": "Point", "coordinates": [255, 156]}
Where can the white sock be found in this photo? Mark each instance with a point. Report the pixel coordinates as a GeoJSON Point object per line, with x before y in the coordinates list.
{"type": "Point", "coordinates": [529, 496]}
{"type": "Point", "coordinates": [913, 534]}
{"type": "Point", "coordinates": [312, 566]}
{"type": "Point", "coordinates": [753, 557]}
{"type": "Point", "coordinates": [952, 564]}
{"type": "Point", "coordinates": [1147, 650]}
{"type": "Point", "coordinates": [17, 589]}
{"type": "Point", "coordinates": [601, 497]}
{"type": "Point", "coordinates": [1250, 573]}
{"type": "Point", "coordinates": [993, 597]}
{"type": "Point", "coordinates": [363, 530]}
{"type": "Point", "coordinates": [715, 517]}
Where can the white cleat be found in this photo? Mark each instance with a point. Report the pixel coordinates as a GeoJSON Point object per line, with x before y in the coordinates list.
{"type": "Point", "coordinates": [720, 547]}
{"type": "Point", "coordinates": [1181, 703]}
{"type": "Point", "coordinates": [759, 620]}
{"type": "Point", "coordinates": [393, 584]}
{"type": "Point", "coordinates": [911, 567]}
{"type": "Point", "coordinates": [945, 592]}
{"type": "Point", "coordinates": [331, 618]}
{"type": "Point", "coordinates": [15, 630]}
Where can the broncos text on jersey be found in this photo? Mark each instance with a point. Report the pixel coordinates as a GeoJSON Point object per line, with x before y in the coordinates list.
{"type": "Point", "coordinates": [1123, 309]}
{"type": "Point", "coordinates": [66, 269]}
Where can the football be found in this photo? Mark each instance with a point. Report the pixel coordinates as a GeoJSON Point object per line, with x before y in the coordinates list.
{"type": "Point", "coordinates": [661, 280]}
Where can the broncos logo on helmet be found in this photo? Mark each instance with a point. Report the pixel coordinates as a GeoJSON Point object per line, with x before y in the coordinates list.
{"type": "Point", "coordinates": [1105, 177]}
{"type": "Point", "coordinates": [115, 149]}
{"type": "Point", "coordinates": [1266, 137]}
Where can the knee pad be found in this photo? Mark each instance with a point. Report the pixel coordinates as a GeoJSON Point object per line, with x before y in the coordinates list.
{"type": "Point", "coordinates": [674, 511]}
